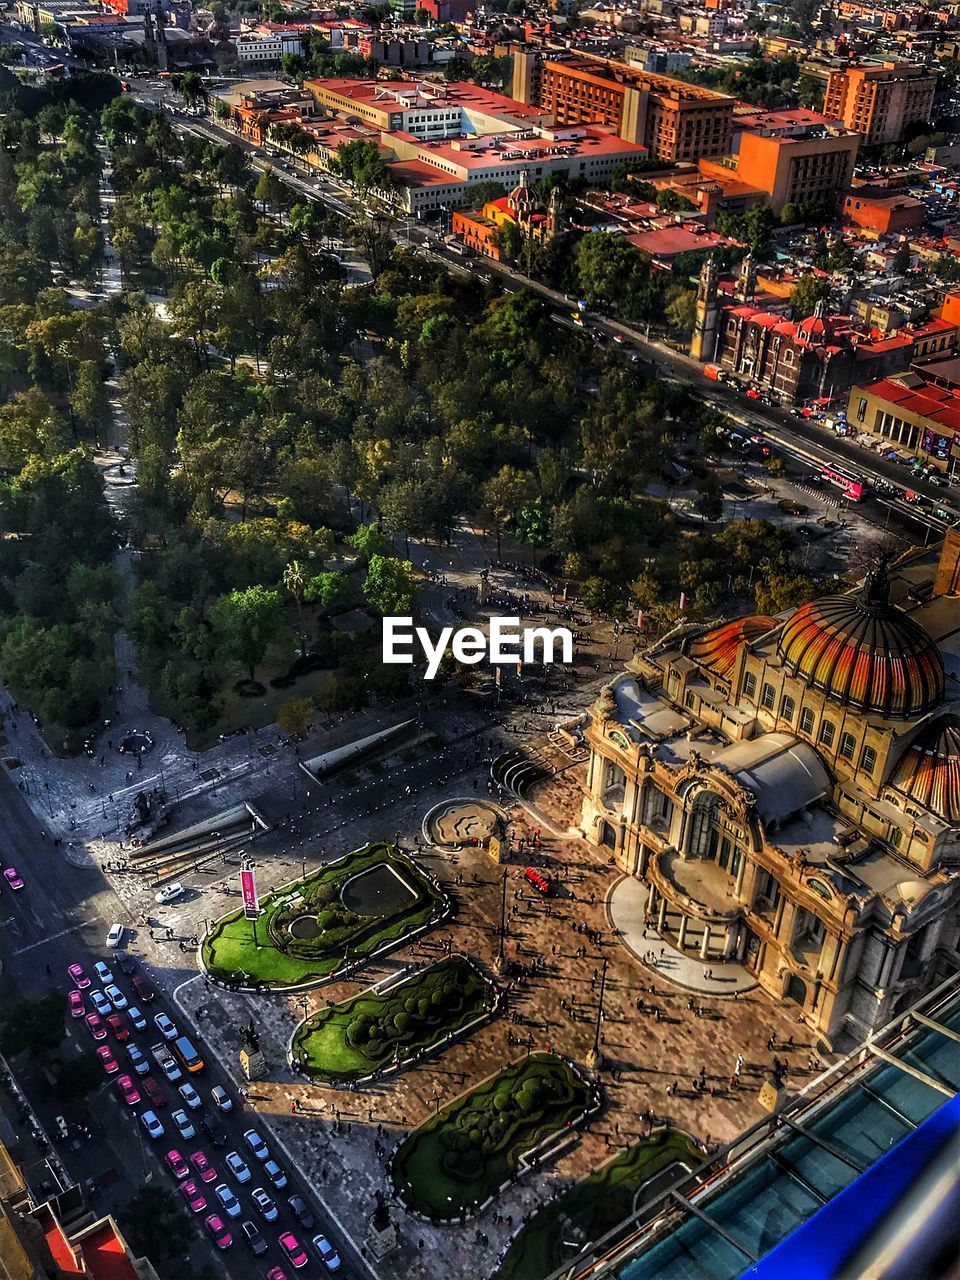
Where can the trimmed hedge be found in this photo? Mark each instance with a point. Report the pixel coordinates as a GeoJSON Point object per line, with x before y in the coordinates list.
{"type": "Point", "coordinates": [370, 1031]}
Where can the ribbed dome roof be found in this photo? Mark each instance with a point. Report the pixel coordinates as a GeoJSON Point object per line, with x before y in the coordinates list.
{"type": "Point", "coordinates": [864, 652]}
{"type": "Point", "coordinates": [717, 648]}
{"type": "Point", "coordinates": [929, 771]}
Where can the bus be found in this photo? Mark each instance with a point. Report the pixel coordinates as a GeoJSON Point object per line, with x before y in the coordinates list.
{"type": "Point", "coordinates": [540, 882]}
{"type": "Point", "coordinates": [841, 478]}
{"type": "Point", "coordinates": [188, 1055]}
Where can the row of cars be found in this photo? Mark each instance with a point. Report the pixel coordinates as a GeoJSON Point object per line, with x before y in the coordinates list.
{"type": "Point", "coordinates": [204, 1189]}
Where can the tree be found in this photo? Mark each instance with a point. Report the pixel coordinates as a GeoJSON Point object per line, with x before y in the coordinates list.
{"type": "Point", "coordinates": [368, 542]}
{"type": "Point", "coordinates": [902, 259]}
{"type": "Point", "coordinates": [157, 1227]}
{"type": "Point", "coordinates": [295, 581]}
{"type": "Point", "coordinates": [295, 716]}
{"type": "Point", "coordinates": [457, 68]}
{"type": "Point", "coordinates": [778, 591]}
{"type": "Point", "coordinates": [330, 588]}
{"type": "Point", "coordinates": [806, 293]}
{"type": "Point", "coordinates": [88, 398]}
{"type": "Point", "coordinates": [78, 1077]}
{"type": "Point", "coordinates": [247, 622]}
{"type": "Point", "coordinates": [33, 1026]}
{"type": "Point", "coordinates": [270, 191]}
{"type": "Point", "coordinates": [390, 585]}
{"type": "Point", "coordinates": [681, 307]}
{"type": "Point", "coordinates": [502, 497]}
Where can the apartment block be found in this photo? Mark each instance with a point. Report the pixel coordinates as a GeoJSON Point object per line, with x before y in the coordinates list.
{"type": "Point", "coordinates": [880, 101]}
{"type": "Point", "coordinates": [794, 169]}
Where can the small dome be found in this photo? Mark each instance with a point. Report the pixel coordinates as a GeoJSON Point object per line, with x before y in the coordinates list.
{"type": "Point", "coordinates": [717, 648]}
{"type": "Point", "coordinates": [864, 652]}
{"type": "Point", "coordinates": [929, 770]}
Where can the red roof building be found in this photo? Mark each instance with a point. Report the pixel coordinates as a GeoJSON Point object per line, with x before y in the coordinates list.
{"type": "Point", "coordinates": [913, 414]}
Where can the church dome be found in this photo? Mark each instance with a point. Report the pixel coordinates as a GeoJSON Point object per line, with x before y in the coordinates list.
{"type": "Point", "coordinates": [929, 769]}
{"type": "Point", "coordinates": [717, 648]}
{"type": "Point", "coordinates": [864, 652]}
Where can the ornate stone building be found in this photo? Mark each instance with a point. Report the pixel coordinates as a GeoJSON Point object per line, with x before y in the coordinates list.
{"type": "Point", "coordinates": [789, 790]}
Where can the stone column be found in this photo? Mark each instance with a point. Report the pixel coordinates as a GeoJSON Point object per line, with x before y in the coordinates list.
{"type": "Point", "coordinates": [651, 897]}
{"type": "Point", "coordinates": [732, 940]}
{"type": "Point", "coordinates": [661, 918]}
{"type": "Point", "coordinates": [741, 874]}
{"type": "Point", "coordinates": [705, 944]}
{"type": "Point", "coordinates": [682, 935]}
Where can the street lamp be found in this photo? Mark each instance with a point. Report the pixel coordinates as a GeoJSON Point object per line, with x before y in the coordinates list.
{"type": "Point", "coordinates": [595, 1057]}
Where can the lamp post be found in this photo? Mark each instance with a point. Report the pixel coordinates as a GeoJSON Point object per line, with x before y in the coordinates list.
{"type": "Point", "coordinates": [501, 957]}
{"type": "Point", "coordinates": [595, 1057]}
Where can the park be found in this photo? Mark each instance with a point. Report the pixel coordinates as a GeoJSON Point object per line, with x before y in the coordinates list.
{"type": "Point", "coordinates": [307, 931]}
{"type": "Point", "coordinates": [379, 1030]}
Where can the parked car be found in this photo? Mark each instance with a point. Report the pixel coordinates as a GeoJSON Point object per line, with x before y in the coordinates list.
{"type": "Point", "coordinates": [151, 1122]}
{"type": "Point", "coordinates": [107, 1060]}
{"type": "Point", "coordinates": [237, 1166]}
{"type": "Point", "coordinates": [301, 1211]}
{"type": "Point", "coordinates": [183, 1124]}
{"type": "Point", "coordinates": [276, 1273]}
{"type": "Point", "coordinates": [114, 935]}
{"type": "Point", "coordinates": [196, 1200]}
{"type": "Point", "coordinates": [115, 996]}
{"type": "Point", "coordinates": [253, 1237]}
{"type": "Point", "coordinates": [294, 1250]}
{"type": "Point", "coordinates": [256, 1144]}
{"type": "Point", "coordinates": [75, 1002]}
{"type": "Point", "coordinates": [228, 1199]}
{"type": "Point", "coordinates": [13, 878]}
{"type": "Point", "coordinates": [217, 1229]}
{"type": "Point", "coordinates": [136, 1017]}
{"type": "Point", "coordinates": [190, 1096]}
{"type": "Point", "coordinates": [214, 1130]}
{"type": "Point", "coordinates": [176, 1164]}
{"type": "Point", "coordinates": [143, 989]}
{"type": "Point", "coordinates": [205, 1170]}
{"type": "Point", "coordinates": [326, 1252]}
{"type": "Point", "coordinates": [139, 1063]}
{"type": "Point", "coordinates": [77, 976]}
{"type": "Point", "coordinates": [153, 1091]}
{"type": "Point", "coordinates": [128, 1091]}
{"type": "Point", "coordinates": [221, 1099]}
{"type": "Point", "coordinates": [127, 965]}
{"type": "Point", "coordinates": [169, 893]}
{"type": "Point", "coordinates": [95, 1026]}
{"type": "Point", "coordinates": [100, 1002]}
{"type": "Point", "coordinates": [165, 1026]}
{"type": "Point", "coordinates": [265, 1206]}
{"type": "Point", "coordinates": [275, 1174]}
{"type": "Point", "coordinates": [116, 1024]}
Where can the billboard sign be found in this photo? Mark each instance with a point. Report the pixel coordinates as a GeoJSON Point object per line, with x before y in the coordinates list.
{"type": "Point", "coordinates": [248, 890]}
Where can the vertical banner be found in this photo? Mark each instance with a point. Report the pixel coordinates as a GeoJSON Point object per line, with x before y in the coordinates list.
{"type": "Point", "coordinates": [497, 675]}
{"type": "Point", "coordinates": [683, 601]}
{"type": "Point", "coordinates": [248, 890]}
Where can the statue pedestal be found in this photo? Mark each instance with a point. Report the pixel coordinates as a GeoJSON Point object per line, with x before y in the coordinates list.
{"type": "Point", "coordinates": [253, 1064]}
{"type": "Point", "coordinates": [594, 1060]}
{"type": "Point", "coordinates": [495, 849]}
{"type": "Point", "coordinates": [772, 1094]}
{"type": "Point", "coordinates": [382, 1241]}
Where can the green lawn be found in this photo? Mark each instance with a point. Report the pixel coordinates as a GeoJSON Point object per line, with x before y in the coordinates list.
{"type": "Point", "coordinates": [458, 1158]}
{"type": "Point", "coordinates": [371, 1031]}
{"type": "Point", "coordinates": [239, 950]}
{"type": "Point", "coordinates": [594, 1206]}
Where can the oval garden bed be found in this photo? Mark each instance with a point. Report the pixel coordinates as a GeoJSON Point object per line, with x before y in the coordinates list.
{"type": "Point", "coordinates": [378, 1031]}
{"type": "Point", "coordinates": [595, 1205]}
{"type": "Point", "coordinates": [457, 1159]}
{"type": "Point", "coordinates": [305, 933]}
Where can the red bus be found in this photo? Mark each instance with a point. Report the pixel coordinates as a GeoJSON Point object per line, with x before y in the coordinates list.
{"type": "Point", "coordinates": [539, 881]}
{"type": "Point", "coordinates": [841, 478]}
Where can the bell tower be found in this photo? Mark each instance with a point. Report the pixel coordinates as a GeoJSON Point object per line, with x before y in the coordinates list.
{"type": "Point", "coordinates": [703, 342]}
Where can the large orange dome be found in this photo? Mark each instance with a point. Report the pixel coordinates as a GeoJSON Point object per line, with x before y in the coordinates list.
{"type": "Point", "coordinates": [929, 771]}
{"type": "Point", "coordinates": [864, 652]}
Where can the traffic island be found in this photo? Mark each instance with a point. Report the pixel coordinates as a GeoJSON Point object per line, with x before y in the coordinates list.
{"type": "Point", "coordinates": [326, 924]}
{"type": "Point", "coordinates": [598, 1203]}
{"type": "Point", "coordinates": [457, 1161]}
{"type": "Point", "coordinates": [386, 1029]}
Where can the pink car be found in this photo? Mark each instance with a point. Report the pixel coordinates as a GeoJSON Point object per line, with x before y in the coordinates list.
{"type": "Point", "coordinates": [95, 1026]}
{"type": "Point", "coordinates": [203, 1166]}
{"type": "Point", "coordinates": [107, 1060]}
{"type": "Point", "coordinates": [176, 1164]}
{"type": "Point", "coordinates": [128, 1091]}
{"type": "Point", "coordinates": [12, 877]}
{"type": "Point", "coordinates": [219, 1233]}
{"type": "Point", "coordinates": [294, 1250]}
{"type": "Point", "coordinates": [77, 976]}
{"type": "Point", "coordinates": [193, 1196]}
{"type": "Point", "coordinates": [77, 1007]}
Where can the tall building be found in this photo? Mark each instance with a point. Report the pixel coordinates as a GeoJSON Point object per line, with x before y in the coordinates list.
{"type": "Point", "coordinates": [880, 101]}
{"type": "Point", "coordinates": [673, 120]}
{"type": "Point", "coordinates": [789, 791]}
{"type": "Point", "coordinates": [703, 343]}
{"type": "Point", "coordinates": [806, 168]}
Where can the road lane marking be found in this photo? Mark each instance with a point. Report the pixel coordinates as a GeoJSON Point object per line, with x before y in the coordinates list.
{"type": "Point", "coordinates": [53, 936]}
